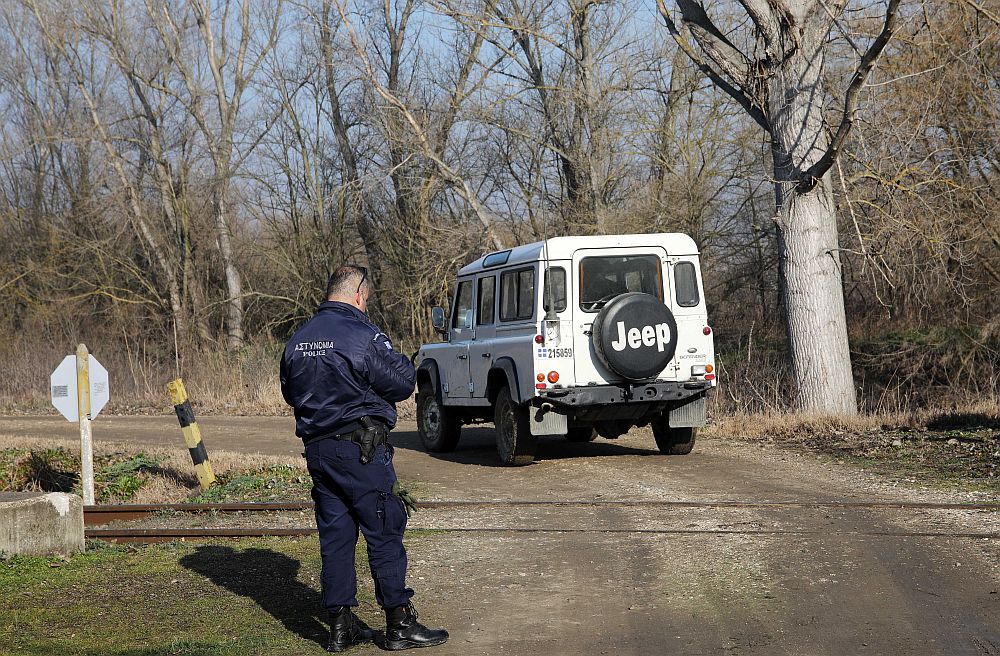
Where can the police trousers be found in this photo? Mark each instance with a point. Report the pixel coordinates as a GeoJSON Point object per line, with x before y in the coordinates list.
{"type": "Point", "coordinates": [350, 496]}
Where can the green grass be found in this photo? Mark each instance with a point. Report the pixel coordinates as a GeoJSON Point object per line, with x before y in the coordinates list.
{"type": "Point", "coordinates": [121, 474]}
{"type": "Point", "coordinates": [117, 476]}
{"type": "Point", "coordinates": [275, 483]}
{"type": "Point", "coordinates": [252, 596]}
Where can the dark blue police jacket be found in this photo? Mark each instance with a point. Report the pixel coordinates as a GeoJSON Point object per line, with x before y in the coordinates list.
{"type": "Point", "coordinates": [338, 368]}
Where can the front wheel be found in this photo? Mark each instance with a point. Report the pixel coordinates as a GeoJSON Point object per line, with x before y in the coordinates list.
{"type": "Point", "coordinates": [439, 428]}
{"type": "Point", "coordinates": [673, 441]}
{"type": "Point", "coordinates": [515, 443]}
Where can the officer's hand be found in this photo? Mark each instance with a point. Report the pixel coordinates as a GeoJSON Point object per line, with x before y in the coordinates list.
{"type": "Point", "coordinates": [409, 502]}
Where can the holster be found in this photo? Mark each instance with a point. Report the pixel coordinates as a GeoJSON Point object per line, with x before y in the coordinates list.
{"type": "Point", "coordinates": [369, 437]}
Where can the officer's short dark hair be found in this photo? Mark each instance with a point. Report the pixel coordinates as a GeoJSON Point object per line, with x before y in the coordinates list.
{"type": "Point", "coordinates": [345, 281]}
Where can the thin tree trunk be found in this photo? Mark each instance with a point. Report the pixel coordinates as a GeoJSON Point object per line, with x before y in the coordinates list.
{"type": "Point", "coordinates": [234, 283]}
{"type": "Point", "coordinates": [353, 199]}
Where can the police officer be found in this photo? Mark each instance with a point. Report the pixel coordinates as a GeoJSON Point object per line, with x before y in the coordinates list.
{"type": "Point", "coordinates": [341, 375]}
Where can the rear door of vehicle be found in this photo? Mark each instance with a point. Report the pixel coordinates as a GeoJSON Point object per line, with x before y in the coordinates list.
{"type": "Point", "coordinates": [481, 349]}
{"type": "Point", "coordinates": [598, 276]}
{"type": "Point", "coordinates": [694, 347]}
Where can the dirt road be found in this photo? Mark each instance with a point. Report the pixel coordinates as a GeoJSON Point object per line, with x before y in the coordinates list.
{"type": "Point", "coordinates": [662, 579]}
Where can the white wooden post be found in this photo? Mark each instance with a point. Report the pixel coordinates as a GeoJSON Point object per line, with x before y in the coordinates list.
{"type": "Point", "coordinates": [83, 404]}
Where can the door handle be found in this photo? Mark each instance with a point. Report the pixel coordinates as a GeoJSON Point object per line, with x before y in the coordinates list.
{"type": "Point", "coordinates": [487, 354]}
{"type": "Point", "coordinates": [463, 356]}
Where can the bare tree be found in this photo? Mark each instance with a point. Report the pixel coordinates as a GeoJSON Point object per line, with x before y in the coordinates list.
{"type": "Point", "coordinates": [774, 70]}
{"type": "Point", "coordinates": [147, 71]}
{"type": "Point", "coordinates": [232, 67]}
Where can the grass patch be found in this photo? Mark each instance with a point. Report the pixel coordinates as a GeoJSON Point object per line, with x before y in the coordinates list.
{"type": "Point", "coordinates": [252, 596]}
{"type": "Point", "coordinates": [274, 483]}
{"type": "Point", "coordinates": [126, 475]}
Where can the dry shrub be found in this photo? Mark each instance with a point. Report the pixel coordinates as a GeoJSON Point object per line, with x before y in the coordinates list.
{"type": "Point", "coordinates": [897, 373]}
{"type": "Point", "coordinates": [218, 381]}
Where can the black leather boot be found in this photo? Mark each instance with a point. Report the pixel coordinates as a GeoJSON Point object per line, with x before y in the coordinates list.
{"type": "Point", "coordinates": [403, 631]}
{"type": "Point", "coordinates": [346, 630]}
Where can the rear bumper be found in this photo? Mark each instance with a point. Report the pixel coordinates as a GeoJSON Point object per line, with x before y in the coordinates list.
{"type": "Point", "coordinates": [606, 395]}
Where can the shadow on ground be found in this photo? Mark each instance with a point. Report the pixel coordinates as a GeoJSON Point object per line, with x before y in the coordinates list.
{"type": "Point", "coordinates": [270, 579]}
{"type": "Point", "coordinates": [478, 447]}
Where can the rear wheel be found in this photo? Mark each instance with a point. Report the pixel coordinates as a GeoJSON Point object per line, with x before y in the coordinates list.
{"type": "Point", "coordinates": [581, 434]}
{"type": "Point", "coordinates": [673, 441]}
{"type": "Point", "coordinates": [439, 428]}
{"type": "Point", "coordinates": [515, 443]}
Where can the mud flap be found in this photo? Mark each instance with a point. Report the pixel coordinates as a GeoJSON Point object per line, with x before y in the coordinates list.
{"type": "Point", "coordinates": [689, 415]}
{"type": "Point", "coordinates": [547, 422]}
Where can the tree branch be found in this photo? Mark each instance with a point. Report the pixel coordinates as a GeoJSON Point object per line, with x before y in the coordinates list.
{"type": "Point", "coordinates": [768, 24]}
{"type": "Point", "coordinates": [447, 173]}
{"type": "Point", "coordinates": [811, 176]}
{"type": "Point", "coordinates": [742, 94]}
{"type": "Point", "coordinates": [714, 43]}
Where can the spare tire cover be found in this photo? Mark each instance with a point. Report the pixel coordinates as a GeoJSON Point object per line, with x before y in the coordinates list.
{"type": "Point", "coordinates": [635, 335]}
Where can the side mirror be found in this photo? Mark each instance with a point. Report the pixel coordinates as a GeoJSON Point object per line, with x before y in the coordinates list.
{"type": "Point", "coordinates": [437, 319]}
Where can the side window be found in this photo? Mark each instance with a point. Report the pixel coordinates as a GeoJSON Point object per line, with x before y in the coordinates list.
{"type": "Point", "coordinates": [525, 293]}
{"type": "Point", "coordinates": [555, 289]}
{"type": "Point", "coordinates": [517, 295]}
{"type": "Point", "coordinates": [487, 298]}
{"type": "Point", "coordinates": [686, 284]}
{"type": "Point", "coordinates": [463, 305]}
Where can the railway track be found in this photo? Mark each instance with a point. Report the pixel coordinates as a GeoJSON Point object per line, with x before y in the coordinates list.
{"type": "Point", "coordinates": [96, 518]}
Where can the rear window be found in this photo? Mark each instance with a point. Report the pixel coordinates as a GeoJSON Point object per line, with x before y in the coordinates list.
{"type": "Point", "coordinates": [603, 278]}
{"type": "Point", "coordinates": [686, 284]}
{"type": "Point", "coordinates": [487, 287]}
{"type": "Point", "coordinates": [517, 295]}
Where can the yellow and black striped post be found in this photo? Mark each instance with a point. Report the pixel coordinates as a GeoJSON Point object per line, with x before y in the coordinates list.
{"type": "Point", "coordinates": [192, 434]}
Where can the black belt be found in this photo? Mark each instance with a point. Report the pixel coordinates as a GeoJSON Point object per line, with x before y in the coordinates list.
{"type": "Point", "coordinates": [367, 433]}
{"type": "Point", "coordinates": [344, 432]}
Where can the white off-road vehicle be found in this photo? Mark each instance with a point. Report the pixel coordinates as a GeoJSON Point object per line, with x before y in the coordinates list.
{"type": "Point", "coordinates": [572, 336]}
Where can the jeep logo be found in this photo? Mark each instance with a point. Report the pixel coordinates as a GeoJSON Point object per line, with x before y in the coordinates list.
{"type": "Point", "coordinates": [647, 335]}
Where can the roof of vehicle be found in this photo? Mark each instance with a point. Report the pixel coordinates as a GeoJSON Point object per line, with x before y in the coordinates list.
{"type": "Point", "coordinates": [562, 248]}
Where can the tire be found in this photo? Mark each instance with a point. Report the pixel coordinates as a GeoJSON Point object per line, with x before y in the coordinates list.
{"type": "Point", "coordinates": [581, 434]}
{"type": "Point", "coordinates": [634, 359]}
{"type": "Point", "coordinates": [515, 443]}
{"type": "Point", "coordinates": [439, 428]}
{"type": "Point", "coordinates": [673, 441]}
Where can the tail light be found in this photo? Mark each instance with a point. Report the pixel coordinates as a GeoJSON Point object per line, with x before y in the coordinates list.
{"type": "Point", "coordinates": [706, 330]}
{"type": "Point", "coordinates": [553, 376]}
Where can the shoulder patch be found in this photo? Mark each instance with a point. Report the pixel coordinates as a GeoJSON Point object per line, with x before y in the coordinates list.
{"type": "Point", "coordinates": [382, 337]}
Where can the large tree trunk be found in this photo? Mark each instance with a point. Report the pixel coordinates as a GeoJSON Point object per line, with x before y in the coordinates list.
{"type": "Point", "coordinates": [808, 249]}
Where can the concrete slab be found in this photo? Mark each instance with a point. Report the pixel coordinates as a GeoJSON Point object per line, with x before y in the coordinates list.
{"type": "Point", "coordinates": [40, 524]}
